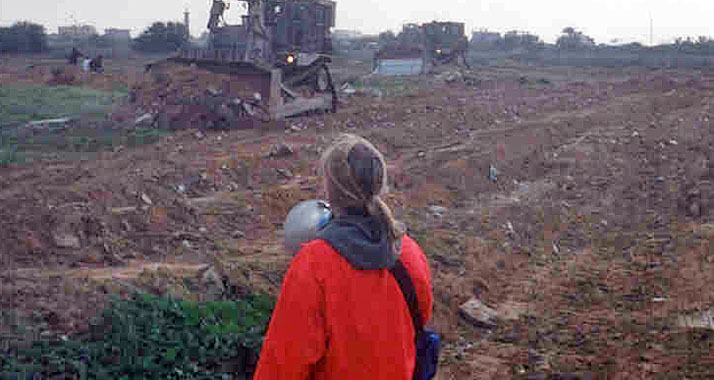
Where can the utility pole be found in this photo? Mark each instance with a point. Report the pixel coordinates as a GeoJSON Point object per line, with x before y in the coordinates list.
{"type": "Point", "coordinates": [651, 31]}
{"type": "Point", "coordinates": [186, 23]}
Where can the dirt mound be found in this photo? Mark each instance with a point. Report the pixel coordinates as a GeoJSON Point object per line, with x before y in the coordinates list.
{"type": "Point", "coordinates": [179, 96]}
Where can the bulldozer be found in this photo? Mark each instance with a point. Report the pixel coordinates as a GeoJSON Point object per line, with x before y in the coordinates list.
{"type": "Point", "coordinates": [281, 49]}
{"type": "Point", "coordinates": [420, 47]}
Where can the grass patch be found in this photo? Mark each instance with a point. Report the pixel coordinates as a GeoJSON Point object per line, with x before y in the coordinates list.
{"type": "Point", "coordinates": [26, 103]}
{"type": "Point", "coordinates": [19, 145]}
{"type": "Point", "coordinates": [153, 337]}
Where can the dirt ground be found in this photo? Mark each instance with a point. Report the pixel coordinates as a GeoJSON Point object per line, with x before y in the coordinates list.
{"type": "Point", "coordinates": [592, 244]}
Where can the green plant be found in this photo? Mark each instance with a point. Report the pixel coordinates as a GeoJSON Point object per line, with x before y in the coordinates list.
{"type": "Point", "coordinates": [152, 337]}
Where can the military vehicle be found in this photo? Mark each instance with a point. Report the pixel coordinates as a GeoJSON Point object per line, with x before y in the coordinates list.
{"type": "Point", "coordinates": [281, 48]}
{"type": "Point", "coordinates": [418, 48]}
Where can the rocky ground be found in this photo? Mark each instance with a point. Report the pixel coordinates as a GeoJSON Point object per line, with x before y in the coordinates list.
{"type": "Point", "coordinates": [587, 255]}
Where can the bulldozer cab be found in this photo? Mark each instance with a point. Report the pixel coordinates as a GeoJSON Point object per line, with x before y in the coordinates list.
{"type": "Point", "coordinates": [443, 35]}
{"type": "Point", "coordinates": [284, 27]}
{"type": "Point", "coordinates": [302, 26]}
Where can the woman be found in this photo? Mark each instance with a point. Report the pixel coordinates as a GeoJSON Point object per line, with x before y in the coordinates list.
{"type": "Point", "coordinates": [341, 314]}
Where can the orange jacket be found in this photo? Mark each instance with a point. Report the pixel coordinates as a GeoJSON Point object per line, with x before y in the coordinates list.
{"type": "Point", "coordinates": [332, 321]}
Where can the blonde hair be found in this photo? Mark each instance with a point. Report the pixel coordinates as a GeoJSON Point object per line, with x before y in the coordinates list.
{"type": "Point", "coordinates": [350, 184]}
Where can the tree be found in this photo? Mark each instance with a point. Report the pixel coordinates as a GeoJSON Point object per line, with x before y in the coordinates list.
{"type": "Point", "coordinates": [23, 37]}
{"type": "Point", "coordinates": [571, 39]}
{"type": "Point", "coordinates": [160, 37]}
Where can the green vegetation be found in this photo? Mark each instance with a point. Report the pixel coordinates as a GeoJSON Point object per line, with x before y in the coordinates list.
{"type": "Point", "coordinates": [19, 143]}
{"type": "Point", "coordinates": [152, 337]}
{"type": "Point", "coordinates": [161, 37]}
{"type": "Point", "coordinates": [26, 103]}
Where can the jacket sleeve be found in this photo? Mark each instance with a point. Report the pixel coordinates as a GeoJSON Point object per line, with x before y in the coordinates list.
{"type": "Point", "coordinates": [296, 337]}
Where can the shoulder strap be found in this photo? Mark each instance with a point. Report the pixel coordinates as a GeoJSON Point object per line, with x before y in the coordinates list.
{"type": "Point", "coordinates": [407, 286]}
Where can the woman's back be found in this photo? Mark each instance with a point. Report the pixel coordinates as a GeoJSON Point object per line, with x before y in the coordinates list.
{"type": "Point", "coordinates": [338, 322]}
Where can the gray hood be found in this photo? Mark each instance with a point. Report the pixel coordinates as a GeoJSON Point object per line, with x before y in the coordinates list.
{"type": "Point", "coordinates": [361, 240]}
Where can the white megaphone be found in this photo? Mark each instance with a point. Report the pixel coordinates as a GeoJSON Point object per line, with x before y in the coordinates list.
{"type": "Point", "coordinates": [303, 222]}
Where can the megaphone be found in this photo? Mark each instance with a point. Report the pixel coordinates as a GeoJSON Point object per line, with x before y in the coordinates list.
{"type": "Point", "coordinates": [303, 222]}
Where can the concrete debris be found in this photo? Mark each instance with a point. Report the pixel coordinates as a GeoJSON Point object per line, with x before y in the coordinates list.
{"type": "Point", "coordinates": [50, 123]}
{"type": "Point", "coordinates": [478, 314]}
{"type": "Point", "coordinates": [347, 89]}
{"type": "Point", "coordinates": [64, 240]}
{"type": "Point", "coordinates": [280, 150]}
{"type": "Point", "coordinates": [286, 173]}
{"type": "Point", "coordinates": [438, 211]}
{"type": "Point", "coordinates": [451, 76]}
{"type": "Point", "coordinates": [697, 320]}
{"type": "Point", "coordinates": [145, 198]}
{"type": "Point", "coordinates": [210, 277]}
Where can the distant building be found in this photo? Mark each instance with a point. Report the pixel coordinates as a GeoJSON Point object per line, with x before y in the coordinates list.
{"type": "Point", "coordinates": [485, 38]}
{"type": "Point", "coordinates": [346, 34]}
{"type": "Point", "coordinates": [77, 30]}
{"type": "Point", "coordinates": [117, 35]}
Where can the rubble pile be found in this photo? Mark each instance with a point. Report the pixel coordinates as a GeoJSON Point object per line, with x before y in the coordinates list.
{"type": "Point", "coordinates": [177, 97]}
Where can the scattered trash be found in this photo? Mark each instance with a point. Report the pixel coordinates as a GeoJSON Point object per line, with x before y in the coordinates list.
{"type": "Point", "coordinates": [492, 173]}
{"type": "Point", "coordinates": [280, 150]}
{"type": "Point", "coordinates": [144, 120]}
{"type": "Point", "coordinates": [438, 211]}
{"type": "Point", "coordinates": [478, 314]}
{"type": "Point", "coordinates": [347, 89]}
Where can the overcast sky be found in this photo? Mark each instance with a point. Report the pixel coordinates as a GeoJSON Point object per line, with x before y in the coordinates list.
{"type": "Point", "coordinates": [604, 20]}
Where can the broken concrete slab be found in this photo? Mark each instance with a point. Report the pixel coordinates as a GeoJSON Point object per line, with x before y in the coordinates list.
{"type": "Point", "coordinates": [703, 319]}
{"type": "Point", "coordinates": [478, 314]}
{"type": "Point", "coordinates": [66, 240]}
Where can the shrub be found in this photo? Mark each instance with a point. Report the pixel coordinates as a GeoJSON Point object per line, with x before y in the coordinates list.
{"type": "Point", "coordinates": [152, 337]}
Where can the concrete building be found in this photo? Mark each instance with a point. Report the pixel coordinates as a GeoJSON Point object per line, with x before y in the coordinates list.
{"type": "Point", "coordinates": [77, 30]}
